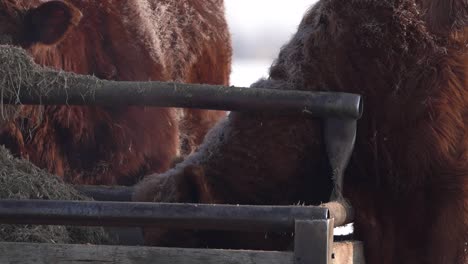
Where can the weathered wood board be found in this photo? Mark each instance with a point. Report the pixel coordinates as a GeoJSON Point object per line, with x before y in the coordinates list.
{"type": "Point", "coordinates": [33, 253]}
{"type": "Point", "coordinates": [348, 253]}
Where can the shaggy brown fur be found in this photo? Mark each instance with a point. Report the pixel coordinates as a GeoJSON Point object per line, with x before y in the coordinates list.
{"type": "Point", "coordinates": [408, 177]}
{"type": "Point", "coordinates": [444, 16]}
{"type": "Point", "coordinates": [167, 40]}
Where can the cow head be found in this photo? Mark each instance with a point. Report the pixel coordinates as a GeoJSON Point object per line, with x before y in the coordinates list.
{"type": "Point", "coordinates": [26, 22]}
{"type": "Point", "coordinates": [352, 44]}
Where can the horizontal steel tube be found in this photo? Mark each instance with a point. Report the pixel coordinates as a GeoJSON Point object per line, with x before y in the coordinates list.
{"type": "Point", "coordinates": [106, 193]}
{"type": "Point", "coordinates": [341, 211]}
{"type": "Point", "coordinates": [165, 94]}
{"type": "Point", "coordinates": [187, 216]}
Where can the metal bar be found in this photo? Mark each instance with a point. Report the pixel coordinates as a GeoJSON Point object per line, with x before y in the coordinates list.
{"type": "Point", "coordinates": [186, 216]}
{"type": "Point", "coordinates": [340, 211]}
{"type": "Point", "coordinates": [106, 193]}
{"type": "Point", "coordinates": [92, 91]}
{"type": "Point", "coordinates": [313, 241]}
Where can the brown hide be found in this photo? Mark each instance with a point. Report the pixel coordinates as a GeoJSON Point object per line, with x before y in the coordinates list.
{"type": "Point", "coordinates": [408, 177]}
{"type": "Point", "coordinates": [136, 40]}
{"type": "Point", "coordinates": [444, 16]}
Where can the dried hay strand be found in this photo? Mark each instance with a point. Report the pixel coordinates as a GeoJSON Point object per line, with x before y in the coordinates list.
{"type": "Point", "coordinates": [19, 74]}
{"type": "Point", "coordinates": [19, 179]}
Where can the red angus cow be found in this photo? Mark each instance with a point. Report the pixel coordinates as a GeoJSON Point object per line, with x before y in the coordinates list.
{"type": "Point", "coordinates": [445, 16]}
{"type": "Point", "coordinates": [408, 177]}
{"type": "Point", "coordinates": [132, 40]}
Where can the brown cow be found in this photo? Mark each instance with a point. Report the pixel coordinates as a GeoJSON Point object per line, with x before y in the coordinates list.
{"type": "Point", "coordinates": [445, 16]}
{"type": "Point", "coordinates": [408, 177]}
{"type": "Point", "coordinates": [135, 40]}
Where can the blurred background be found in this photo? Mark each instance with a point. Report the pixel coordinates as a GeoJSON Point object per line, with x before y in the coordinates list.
{"type": "Point", "coordinates": [259, 28]}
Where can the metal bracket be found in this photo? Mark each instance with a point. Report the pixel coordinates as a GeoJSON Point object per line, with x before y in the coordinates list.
{"type": "Point", "coordinates": [340, 136]}
{"type": "Point", "coordinates": [313, 241]}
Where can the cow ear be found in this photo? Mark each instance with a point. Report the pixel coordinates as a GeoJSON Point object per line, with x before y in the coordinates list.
{"type": "Point", "coordinates": [49, 22]}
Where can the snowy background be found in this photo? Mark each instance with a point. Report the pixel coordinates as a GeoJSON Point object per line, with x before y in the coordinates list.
{"type": "Point", "coordinates": [259, 28]}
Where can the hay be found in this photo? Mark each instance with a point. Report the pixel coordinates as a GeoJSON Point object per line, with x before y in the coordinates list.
{"type": "Point", "coordinates": [19, 179]}
{"type": "Point", "coordinates": [19, 74]}
{"type": "Point", "coordinates": [19, 71]}
{"type": "Point", "coordinates": [16, 67]}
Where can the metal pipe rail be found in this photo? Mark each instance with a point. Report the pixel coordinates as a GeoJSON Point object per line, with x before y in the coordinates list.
{"type": "Point", "coordinates": [312, 225]}
{"type": "Point", "coordinates": [313, 228]}
{"type": "Point", "coordinates": [167, 94]}
{"type": "Point", "coordinates": [113, 193]}
{"type": "Point", "coordinates": [30, 83]}
{"type": "Point", "coordinates": [341, 211]}
{"type": "Point", "coordinates": [186, 216]}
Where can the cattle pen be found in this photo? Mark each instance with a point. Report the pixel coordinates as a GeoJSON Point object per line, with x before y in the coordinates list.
{"type": "Point", "coordinates": [312, 225]}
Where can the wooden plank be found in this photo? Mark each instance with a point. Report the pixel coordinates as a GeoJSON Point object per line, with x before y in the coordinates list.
{"type": "Point", "coordinates": [33, 253]}
{"type": "Point", "coordinates": [30, 253]}
{"type": "Point", "coordinates": [341, 211]}
{"type": "Point", "coordinates": [348, 253]}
